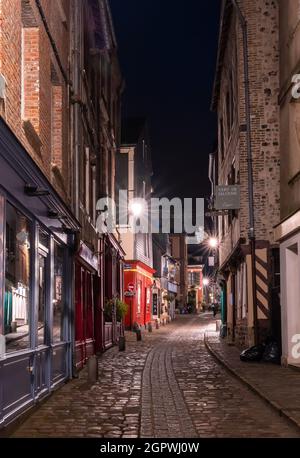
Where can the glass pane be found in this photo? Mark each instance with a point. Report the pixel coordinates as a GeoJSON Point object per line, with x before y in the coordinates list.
{"type": "Point", "coordinates": [17, 275]}
{"type": "Point", "coordinates": [42, 301]}
{"type": "Point", "coordinates": [43, 238]}
{"type": "Point", "coordinates": [58, 294]}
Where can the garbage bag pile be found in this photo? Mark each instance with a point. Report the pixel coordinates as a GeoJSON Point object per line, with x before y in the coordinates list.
{"type": "Point", "coordinates": [268, 352]}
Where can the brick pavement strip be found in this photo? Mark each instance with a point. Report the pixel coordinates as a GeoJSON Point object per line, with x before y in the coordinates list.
{"type": "Point", "coordinates": [168, 385]}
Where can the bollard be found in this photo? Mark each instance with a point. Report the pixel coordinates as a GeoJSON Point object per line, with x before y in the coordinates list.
{"type": "Point", "coordinates": [138, 335]}
{"type": "Point", "coordinates": [157, 324]}
{"type": "Point", "coordinates": [93, 369]}
{"type": "Point", "coordinates": [122, 343]}
{"type": "Point", "coordinates": [150, 329]}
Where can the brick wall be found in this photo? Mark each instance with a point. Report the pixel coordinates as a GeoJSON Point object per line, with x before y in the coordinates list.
{"type": "Point", "coordinates": [26, 57]}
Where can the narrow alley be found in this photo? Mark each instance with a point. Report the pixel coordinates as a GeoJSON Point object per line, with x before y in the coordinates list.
{"type": "Point", "coordinates": [166, 386]}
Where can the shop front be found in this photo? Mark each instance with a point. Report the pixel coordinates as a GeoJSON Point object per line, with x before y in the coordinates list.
{"type": "Point", "coordinates": [113, 256]}
{"type": "Point", "coordinates": [87, 299]}
{"type": "Point", "coordinates": [138, 284]}
{"type": "Point", "coordinates": [35, 282]}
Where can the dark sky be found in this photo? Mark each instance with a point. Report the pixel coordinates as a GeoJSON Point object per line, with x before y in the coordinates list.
{"type": "Point", "coordinates": [167, 50]}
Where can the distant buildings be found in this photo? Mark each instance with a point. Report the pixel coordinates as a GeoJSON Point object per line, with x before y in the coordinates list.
{"type": "Point", "coordinates": [195, 285]}
{"type": "Point", "coordinates": [134, 172]}
{"type": "Point", "coordinates": [179, 252]}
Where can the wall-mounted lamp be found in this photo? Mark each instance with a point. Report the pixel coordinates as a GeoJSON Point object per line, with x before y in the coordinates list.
{"type": "Point", "coordinates": [33, 190]}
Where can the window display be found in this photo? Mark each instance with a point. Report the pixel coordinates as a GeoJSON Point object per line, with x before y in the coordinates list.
{"type": "Point", "coordinates": [17, 280]}
{"type": "Point", "coordinates": [58, 294]}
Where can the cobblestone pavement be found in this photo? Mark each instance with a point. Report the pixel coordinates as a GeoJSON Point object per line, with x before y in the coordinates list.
{"type": "Point", "coordinates": [277, 384]}
{"type": "Point", "coordinates": [168, 385]}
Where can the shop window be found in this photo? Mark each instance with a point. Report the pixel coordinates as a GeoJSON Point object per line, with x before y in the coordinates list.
{"type": "Point", "coordinates": [58, 294]}
{"type": "Point", "coordinates": [89, 306]}
{"type": "Point", "coordinates": [43, 253]}
{"type": "Point", "coordinates": [17, 280]}
{"type": "Point", "coordinates": [139, 298]}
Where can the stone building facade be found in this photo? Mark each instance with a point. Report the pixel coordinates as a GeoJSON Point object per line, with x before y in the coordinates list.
{"type": "Point", "coordinates": [229, 103]}
{"type": "Point", "coordinates": [288, 230]}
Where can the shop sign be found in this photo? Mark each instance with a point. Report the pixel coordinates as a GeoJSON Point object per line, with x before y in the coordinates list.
{"type": "Point", "coordinates": [228, 198]}
{"type": "Point", "coordinates": [172, 287]}
{"type": "Point", "coordinates": [211, 261]}
{"type": "Point", "coordinates": [155, 304]}
{"type": "Point", "coordinates": [131, 287]}
{"type": "Point", "coordinates": [129, 294]}
{"type": "Point", "coordinates": [87, 255]}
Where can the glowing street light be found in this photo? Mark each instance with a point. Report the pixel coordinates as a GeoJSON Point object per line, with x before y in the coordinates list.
{"type": "Point", "coordinates": [136, 208]}
{"type": "Point", "coordinates": [213, 242]}
{"type": "Point", "coordinates": [205, 281]}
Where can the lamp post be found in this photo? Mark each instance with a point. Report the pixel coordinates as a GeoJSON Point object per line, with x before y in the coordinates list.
{"type": "Point", "coordinates": [251, 234]}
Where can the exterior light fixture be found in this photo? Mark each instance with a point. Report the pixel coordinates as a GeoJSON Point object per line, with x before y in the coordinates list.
{"type": "Point", "coordinates": [32, 190]}
{"type": "Point", "coordinates": [206, 281]}
{"type": "Point", "coordinates": [213, 242]}
{"type": "Point", "coordinates": [136, 208]}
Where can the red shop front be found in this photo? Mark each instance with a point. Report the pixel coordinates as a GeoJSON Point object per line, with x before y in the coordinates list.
{"type": "Point", "coordinates": [138, 283]}
{"type": "Point", "coordinates": [87, 297]}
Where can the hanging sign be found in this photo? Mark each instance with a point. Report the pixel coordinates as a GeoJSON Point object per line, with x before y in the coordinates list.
{"type": "Point", "coordinates": [131, 287]}
{"type": "Point", "coordinates": [155, 304]}
{"type": "Point", "coordinates": [211, 261]}
{"type": "Point", "coordinates": [228, 197]}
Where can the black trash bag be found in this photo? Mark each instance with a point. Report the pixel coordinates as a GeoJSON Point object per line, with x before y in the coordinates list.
{"type": "Point", "coordinates": [272, 353]}
{"type": "Point", "coordinates": [253, 354]}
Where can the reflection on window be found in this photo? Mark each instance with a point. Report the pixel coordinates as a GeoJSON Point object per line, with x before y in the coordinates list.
{"type": "Point", "coordinates": [58, 294]}
{"type": "Point", "coordinates": [42, 259]}
{"type": "Point", "coordinates": [17, 275]}
{"type": "Point", "coordinates": [42, 301]}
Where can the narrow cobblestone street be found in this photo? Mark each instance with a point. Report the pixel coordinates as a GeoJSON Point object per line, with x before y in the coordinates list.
{"type": "Point", "coordinates": [168, 385]}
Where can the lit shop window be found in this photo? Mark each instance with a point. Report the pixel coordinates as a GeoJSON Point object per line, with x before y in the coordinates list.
{"type": "Point", "coordinates": [17, 277]}
{"type": "Point", "coordinates": [43, 254]}
{"type": "Point", "coordinates": [139, 297]}
{"type": "Point", "coordinates": [148, 299]}
{"type": "Point", "coordinates": [58, 294]}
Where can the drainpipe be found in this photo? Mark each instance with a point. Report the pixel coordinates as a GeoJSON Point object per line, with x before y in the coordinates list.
{"type": "Point", "coordinates": [52, 42]}
{"type": "Point", "coordinates": [251, 234]}
{"type": "Point", "coordinates": [76, 107]}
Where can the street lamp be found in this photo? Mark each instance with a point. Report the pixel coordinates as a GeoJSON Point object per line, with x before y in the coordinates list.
{"type": "Point", "coordinates": [136, 208]}
{"type": "Point", "coordinates": [206, 281]}
{"type": "Point", "coordinates": [213, 242]}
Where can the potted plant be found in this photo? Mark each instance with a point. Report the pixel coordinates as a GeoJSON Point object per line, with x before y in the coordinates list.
{"type": "Point", "coordinates": [121, 310]}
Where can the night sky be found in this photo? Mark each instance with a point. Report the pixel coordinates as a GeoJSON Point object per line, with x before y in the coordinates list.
{"type": "Point", "coordinates": [167, 50]}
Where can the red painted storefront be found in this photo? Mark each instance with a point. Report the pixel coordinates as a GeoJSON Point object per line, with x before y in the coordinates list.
{"type": "Point", "coordinates": [138, 283]}
{"type": "Point", "coordinates": [87, 304]}
{"type": "Point", "coordinates": [97, 277]}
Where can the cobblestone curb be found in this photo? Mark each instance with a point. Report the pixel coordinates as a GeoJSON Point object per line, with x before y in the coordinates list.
{"type": "Point", "coordinates": [249, 385]}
